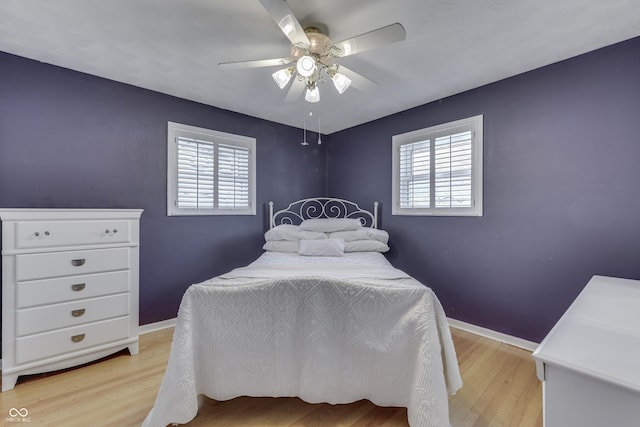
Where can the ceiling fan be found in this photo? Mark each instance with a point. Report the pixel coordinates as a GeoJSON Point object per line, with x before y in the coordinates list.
{"type": "Point", "coordinates": [312, 55]}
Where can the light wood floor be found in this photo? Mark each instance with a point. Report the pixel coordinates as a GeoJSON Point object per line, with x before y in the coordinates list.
{"type": "Point", "coordinates": [500, 389]}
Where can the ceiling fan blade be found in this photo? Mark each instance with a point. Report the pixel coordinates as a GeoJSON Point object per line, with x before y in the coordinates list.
{"type": "Point", "coordinates": [295, 90]}
{"type": "Point", "coordinates": [282, 15]}
{"type": "Point", "coordinates": [358, 80]}
{"type": "Point", "coordinates": [382, 36]}
{"type": "Point", "coordinates": [254, 64]}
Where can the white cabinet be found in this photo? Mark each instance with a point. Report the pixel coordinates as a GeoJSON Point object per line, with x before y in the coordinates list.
{"type": "Point", "coordinates": [69, 287]}
{"type": "Point", "coordinates": [590, 361]}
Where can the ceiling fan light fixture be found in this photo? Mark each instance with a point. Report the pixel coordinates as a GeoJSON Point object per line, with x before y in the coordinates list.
{"type": "Point", "coordinates": [306, 66]}
{"type": "Point", "coordinates": [312, 55]}
{"type": "Point", "coordinates": [312, 95]}
{"type": "Point", "coordinates": [282, 77]}
{"type": "Point", "coordinates": [341, 82]}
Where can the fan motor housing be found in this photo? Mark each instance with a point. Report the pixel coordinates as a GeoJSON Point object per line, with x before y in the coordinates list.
{"type": "Point", "coordinates": [319, 47]}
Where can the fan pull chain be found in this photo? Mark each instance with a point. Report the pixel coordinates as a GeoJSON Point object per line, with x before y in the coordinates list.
{"type": "Point", "coordinates": [304, 140]}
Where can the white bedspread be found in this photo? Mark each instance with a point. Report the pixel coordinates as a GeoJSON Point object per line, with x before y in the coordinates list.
{"type": "Point", "coordinates": [332, 334]}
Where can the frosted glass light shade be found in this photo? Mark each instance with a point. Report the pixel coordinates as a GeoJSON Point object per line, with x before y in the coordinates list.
{"type": "Point", "coordinates": [341, 82]}
{"type": "Point", "coordinates": [312, 95]}
{"type": "Point", "coordinates": [282, 77]}
{"type": "Point", "coordinates": [306, 65]}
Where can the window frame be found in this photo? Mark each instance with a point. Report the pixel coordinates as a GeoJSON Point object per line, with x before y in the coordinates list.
{"type": "Point", "coordinates": [475, 124]}
{"type": "Point", "coordinates": [174, 131]}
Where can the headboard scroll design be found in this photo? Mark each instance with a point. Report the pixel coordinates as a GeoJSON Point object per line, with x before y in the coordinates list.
{"type": "Point", "coordinates": [322, 207]}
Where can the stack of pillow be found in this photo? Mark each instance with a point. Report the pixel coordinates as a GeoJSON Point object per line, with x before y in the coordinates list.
{"type": "Point", "coordinates": [326, 237]}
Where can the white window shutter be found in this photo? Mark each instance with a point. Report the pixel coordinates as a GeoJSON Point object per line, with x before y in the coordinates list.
{"type": "Point", "coordinates": [453, 163]}
{"type": "Point", "coordinates": [195, 174]}
{"type": "Point", "coordinates": [233, 177]}
{"type": "Point", "coordinates": [209, 172]}
{"type": "Point", "coordinates": [438, 170]}
{"type": "Point", "coordinates": [415, 175]}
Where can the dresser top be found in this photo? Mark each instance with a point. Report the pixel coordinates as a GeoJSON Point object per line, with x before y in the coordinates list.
{"type": "Point", "coordinates": [26, 214]}
{"type": "Point", "coordinates": [599, 335]}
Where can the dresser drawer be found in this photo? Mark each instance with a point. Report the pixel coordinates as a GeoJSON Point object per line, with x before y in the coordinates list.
{"type": "Point", "coordinates": [55, 264]}
{"type": "Point", "coordinates": [62, 289]}
{"type": "Point", "coordinates": [56, 316]}
{"type": "Point", "coordinates": [43, 234]}
{"type": "Point", "coordinates": [68, 340]}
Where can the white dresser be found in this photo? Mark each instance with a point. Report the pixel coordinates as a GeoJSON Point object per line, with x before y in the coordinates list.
{"type": "Point", "coordinates": [590, 361]}
{"type": "Point", "coordinates": [69, 287]}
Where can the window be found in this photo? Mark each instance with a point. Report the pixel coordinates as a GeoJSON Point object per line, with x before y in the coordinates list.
{"type": "Point", "coordinates": [209, 172]}
{"type": "Point", "coordinates": [438, 170]}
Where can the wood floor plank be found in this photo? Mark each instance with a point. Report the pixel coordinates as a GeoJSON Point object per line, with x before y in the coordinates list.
{"type": "Point", "coordinates": [500, 389]}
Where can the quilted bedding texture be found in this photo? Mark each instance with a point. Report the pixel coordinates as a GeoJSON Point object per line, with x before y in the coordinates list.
{"type": "Point", "coordinates": [323, 339]}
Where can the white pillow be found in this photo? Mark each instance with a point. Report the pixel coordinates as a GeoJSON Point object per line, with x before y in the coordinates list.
{"type": "Point", "coordinates": [364, 233]}
{"type": "Point", "coordinates": [291, 232]}
{"type": "Point", "coordinates": [330, 225]}
{"type": "Point", "coordinates": [325, 247]}
{"type": "Point", "coordinates": [365, 246]}
{"type": "Point", "coordinates": [379, 235]}
{"type": "Point", "coordinates": [281, 246]}
{"type": "Point", "coordinates": [349, 236]}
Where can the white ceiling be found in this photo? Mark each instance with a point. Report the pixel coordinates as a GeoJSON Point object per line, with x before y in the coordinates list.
{"type": "Point", "coordinates": [174, 46]}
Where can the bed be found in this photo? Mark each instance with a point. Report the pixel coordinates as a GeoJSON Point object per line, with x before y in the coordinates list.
{"type": "Point", "coordinates": [321, 315]}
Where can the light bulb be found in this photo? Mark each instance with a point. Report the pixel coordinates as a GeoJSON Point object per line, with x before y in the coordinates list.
{"type": "Point", "coordinates": [282, 77]}
{"type": "Point", "coordinates": [341, 82]}
{"type": "Point", "coordinates": [306, 65]}
{"type": "Point", "coordinates": [313, 94]}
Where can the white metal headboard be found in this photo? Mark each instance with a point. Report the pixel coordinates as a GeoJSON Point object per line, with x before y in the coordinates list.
{"type": "Point", "coordinates": [322, 207]}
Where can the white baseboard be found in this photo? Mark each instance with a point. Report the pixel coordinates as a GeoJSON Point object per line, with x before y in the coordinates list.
{"type": "Point", "coordinates": [494, 335]}
{"type": "Point", "coordinates": [454, 323]}
{"type": "Point", "coordinates": [157, 326]}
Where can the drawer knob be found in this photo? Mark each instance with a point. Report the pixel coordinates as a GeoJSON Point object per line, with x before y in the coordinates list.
{"type": "Point", "coordinates": [77, 338]}
{"type": "Point", "coordinates": [108, 232]}
{"type": "Point", "coordinates": [78, 313]}
{"type": "Point", "coordinates": [78, 262]}
{"type": "Point", "coordinates": [78, 287]}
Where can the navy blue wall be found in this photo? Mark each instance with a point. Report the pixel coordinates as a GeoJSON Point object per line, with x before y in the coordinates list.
{"type": "Point", "coordinates": [73, 140]}
{"type": "Point", "coordinates": [561, 191]}
{"type": "Point", "coordinates": [562, 144]}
